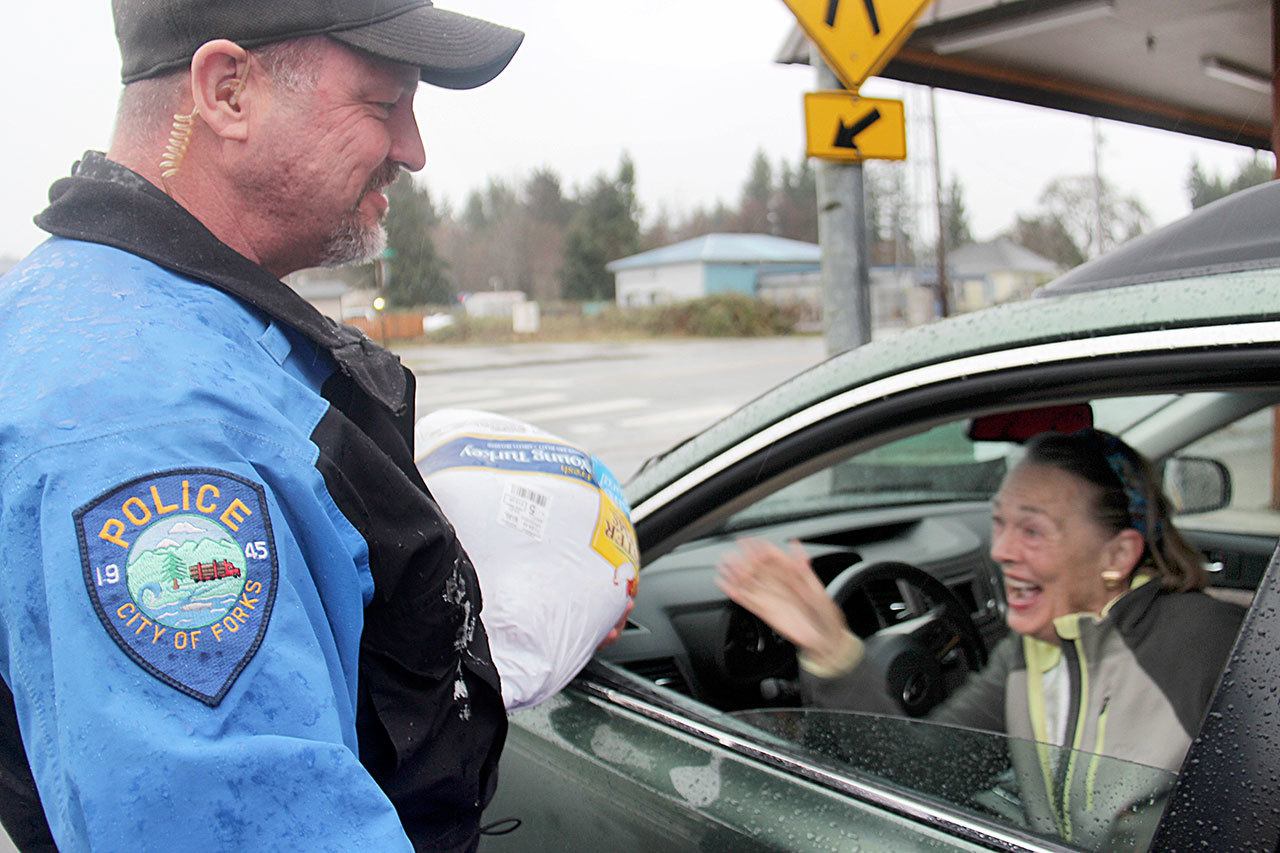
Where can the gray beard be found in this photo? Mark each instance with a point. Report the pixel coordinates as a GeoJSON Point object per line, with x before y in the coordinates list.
{"type": "Point", "coordinates": [352, 242]}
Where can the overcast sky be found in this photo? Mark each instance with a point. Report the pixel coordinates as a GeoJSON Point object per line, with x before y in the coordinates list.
{"type": "Point", "coordinates": [690, 89]}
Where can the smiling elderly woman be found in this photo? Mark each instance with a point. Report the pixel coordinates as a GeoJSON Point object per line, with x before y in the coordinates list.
{"type": "Point", "coordinates": [1114, 648]}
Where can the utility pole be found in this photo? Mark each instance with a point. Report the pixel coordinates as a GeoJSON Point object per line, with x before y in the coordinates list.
{"type": "Point", "coordinates": [842, 232]}
{"type": "Point", "coordinates": [944, 287]}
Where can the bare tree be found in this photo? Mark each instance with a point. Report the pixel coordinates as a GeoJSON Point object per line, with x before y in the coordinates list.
{"type": "Point", "coordinates": [1078, 204]}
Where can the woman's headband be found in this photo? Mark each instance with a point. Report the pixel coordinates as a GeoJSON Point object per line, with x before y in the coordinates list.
{"type": "Point", "coordinates": [1120, 459]}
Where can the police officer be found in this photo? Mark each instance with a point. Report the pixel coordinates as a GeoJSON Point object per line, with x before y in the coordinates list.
{"type": "Point", "coordinates": [231, 615]}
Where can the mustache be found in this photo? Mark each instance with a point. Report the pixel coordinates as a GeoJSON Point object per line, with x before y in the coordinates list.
{"type": "Point", "coordinates": [384, 177]}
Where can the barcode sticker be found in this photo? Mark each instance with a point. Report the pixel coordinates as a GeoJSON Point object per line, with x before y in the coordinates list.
{"type": "Point", "coordinates": [524, 509]}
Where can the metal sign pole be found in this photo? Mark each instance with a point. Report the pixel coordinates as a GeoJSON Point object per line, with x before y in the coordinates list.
{"type": "Point", "coordinates": [842, 233]}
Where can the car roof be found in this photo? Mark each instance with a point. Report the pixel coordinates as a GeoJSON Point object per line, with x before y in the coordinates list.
{"type": "Point", "coordinates": [1229, 298]}
{"type": "Point", "coordinates": [1235, 233]}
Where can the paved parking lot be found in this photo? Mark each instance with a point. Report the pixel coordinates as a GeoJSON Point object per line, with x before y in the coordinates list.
{"type": "Point", "coordinates": [622, 401]}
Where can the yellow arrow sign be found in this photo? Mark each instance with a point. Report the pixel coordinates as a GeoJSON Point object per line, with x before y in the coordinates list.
{"type": "Point", "coordinates": [857, 37]}
{"type": "Point", "coordinates": [845, 127]}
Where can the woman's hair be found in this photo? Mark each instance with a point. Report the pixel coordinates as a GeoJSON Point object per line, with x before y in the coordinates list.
{"type": "Point", "coordinates": [1128, 496]}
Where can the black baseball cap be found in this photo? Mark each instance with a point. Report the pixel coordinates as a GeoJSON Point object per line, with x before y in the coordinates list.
{"type": "Point", "coordinates": [454, 51]}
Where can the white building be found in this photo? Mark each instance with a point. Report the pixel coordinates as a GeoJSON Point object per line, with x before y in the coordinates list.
{"type": "Point", "coordinates": [705, 266]}
{"type": "Point", "coordinates": [997, 271]}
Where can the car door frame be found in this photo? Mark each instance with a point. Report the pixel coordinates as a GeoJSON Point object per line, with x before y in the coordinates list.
{"type": "Point", "coordinates": [1222, 357]}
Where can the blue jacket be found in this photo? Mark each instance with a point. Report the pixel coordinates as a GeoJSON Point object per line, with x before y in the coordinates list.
{"type": "Point", "coordinates": [231, 616]}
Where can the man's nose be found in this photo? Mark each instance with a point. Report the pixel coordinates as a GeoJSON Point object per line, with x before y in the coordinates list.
{"type": "Point", "coordinates": [406, 141]}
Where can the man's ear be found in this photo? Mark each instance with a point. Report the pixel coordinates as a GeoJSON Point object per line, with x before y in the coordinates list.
{"type": "Point", "coordinates": [219, 76]}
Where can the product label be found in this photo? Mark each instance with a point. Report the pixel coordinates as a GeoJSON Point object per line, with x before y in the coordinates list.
{"type": "Point", "coordinates": [532, 457]}
{"type": "Point", "coordinates": [524, 508]}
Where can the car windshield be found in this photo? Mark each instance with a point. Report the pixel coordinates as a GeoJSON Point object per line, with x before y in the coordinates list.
{"type": "Point", "coordinates": [940, 464]}
{"type": "Point", "coordinates": [989, 776]}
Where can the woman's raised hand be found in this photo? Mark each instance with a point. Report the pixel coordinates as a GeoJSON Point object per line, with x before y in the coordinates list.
{"type": "Point", "coordinates": [781, 588]}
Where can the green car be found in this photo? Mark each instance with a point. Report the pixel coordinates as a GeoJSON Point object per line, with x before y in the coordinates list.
{"type": "Point", "coordinates": [689, 733]}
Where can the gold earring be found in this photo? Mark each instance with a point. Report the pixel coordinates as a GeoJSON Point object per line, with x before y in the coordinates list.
{"type": "Point", "coordinates": [1111, 579]}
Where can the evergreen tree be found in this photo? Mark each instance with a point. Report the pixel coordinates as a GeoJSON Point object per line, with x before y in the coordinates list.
{"type": "Point", "coordinates": [605, 228]}
{"type": "Point", "coordinates": [172, 568]}
{"type": "Point", "coordinates": [755, 212]}
{"type": "Point", "coordinates": [474, 216]}
{"type": "Point", "coordinates": [1047, 237]}
{"type": "Point", "coordinates": [416, 275]}
{"type": "Point", "coordinates": [703, 221]}
{"type": "Point", "coordinates": [544, 198]}
{"type": "Point", "coordinates": [1203, 188]}
{"type": "Point", "coordinates": [798, 202]}
{"type": "Point", "coordinates": [954, 216]}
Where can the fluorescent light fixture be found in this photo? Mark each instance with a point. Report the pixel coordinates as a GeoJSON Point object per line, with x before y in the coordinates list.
{"type": "Point", "coordinates": [1239, 75]}
{"type": "Point", "coordinates": [1012, 23]}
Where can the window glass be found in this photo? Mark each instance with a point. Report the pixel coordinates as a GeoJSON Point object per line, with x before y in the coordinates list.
{"type": "Point", "coordinates": [1082, 799]}
{"type": "Point", "coordinates": [1247, 449]}
{"type": "Point", "coordinates": [1090, 801]}
{"type": "Point", "coordinates": [940, 464]}
{"type": "Point", "coordinates": [1118, 414]}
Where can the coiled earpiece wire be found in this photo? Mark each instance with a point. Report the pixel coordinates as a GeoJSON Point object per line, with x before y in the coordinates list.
{"type": "Point", "coordinates": [180, 135]}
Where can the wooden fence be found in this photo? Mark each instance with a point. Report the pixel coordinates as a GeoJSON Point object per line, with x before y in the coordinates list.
{"type": "Point", "coordinates": [390, 325]}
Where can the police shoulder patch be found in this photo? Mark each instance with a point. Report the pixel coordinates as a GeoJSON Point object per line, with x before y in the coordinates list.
{"type": "Point", "coordinates": [181, 568]}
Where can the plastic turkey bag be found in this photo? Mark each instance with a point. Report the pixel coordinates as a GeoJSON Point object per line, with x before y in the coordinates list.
{"type": "Point", "coordinates": [550, 536]}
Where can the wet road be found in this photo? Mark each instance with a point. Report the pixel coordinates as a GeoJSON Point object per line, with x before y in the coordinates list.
{"type": "Point", "coordinates": [622, 402]}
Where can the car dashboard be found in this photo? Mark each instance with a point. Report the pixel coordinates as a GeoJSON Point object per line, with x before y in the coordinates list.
{"type": "Point", "coordinates": [686, 635]}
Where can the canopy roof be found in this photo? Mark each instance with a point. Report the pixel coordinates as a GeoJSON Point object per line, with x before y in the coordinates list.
{"type": "Point", "coordinates": [1201, 67]}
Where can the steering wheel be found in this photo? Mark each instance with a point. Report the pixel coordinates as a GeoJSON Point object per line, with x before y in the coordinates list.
{"type": "Point", "coordinates": [910, 653]}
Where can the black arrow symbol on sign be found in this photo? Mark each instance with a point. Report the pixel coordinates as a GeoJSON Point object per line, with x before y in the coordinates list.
{"type": "Point", "coordinates": [872, 16]}
{"type": "Point", "coordinates": [847, 135]}
{"type": "Point", "coordinates": [833, 7]}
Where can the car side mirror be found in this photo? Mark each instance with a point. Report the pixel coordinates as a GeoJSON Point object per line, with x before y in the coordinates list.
{"type": "Point", "coordinates": [1196, 484]}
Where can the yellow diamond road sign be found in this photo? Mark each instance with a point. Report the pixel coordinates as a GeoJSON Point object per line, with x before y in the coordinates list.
{"type": "Point", "coordinates": [842, 126]}
{"type": "Point", "coordinates": [857, 37]}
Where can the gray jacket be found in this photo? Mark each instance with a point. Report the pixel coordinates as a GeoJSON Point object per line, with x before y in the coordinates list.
{"type": "Point", "coordinates": [1141, 677]}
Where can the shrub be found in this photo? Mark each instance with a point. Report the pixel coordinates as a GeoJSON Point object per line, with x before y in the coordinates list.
{"type": "Point", "coordinates": [722, 316]}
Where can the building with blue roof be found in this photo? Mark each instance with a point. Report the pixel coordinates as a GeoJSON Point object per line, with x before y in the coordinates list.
{"type": "Point", "coordinates": [709, 265]}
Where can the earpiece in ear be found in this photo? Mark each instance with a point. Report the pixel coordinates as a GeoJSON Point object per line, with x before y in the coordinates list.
{"type": "Point", "coordinates": [231, 91]}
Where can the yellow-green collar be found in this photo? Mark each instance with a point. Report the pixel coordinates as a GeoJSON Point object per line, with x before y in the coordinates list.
{"type": "Point", "coordinates": [1045, 655]}
{"type": "Point", "coordinates": [1041, 656]}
